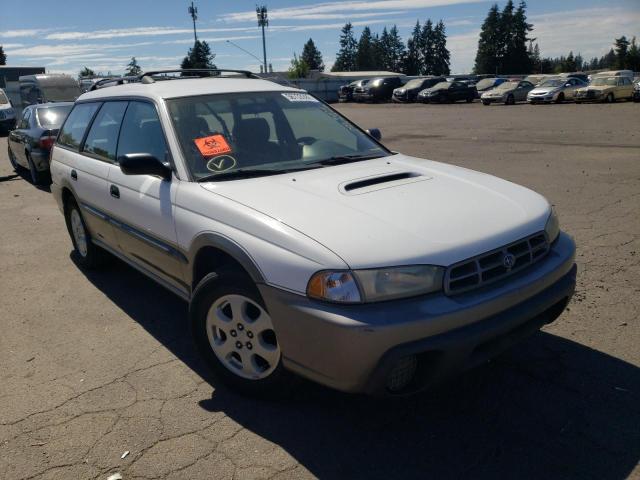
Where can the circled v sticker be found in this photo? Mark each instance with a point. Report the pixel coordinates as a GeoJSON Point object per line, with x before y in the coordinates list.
{"type": "Point", "coordinates": [221, 163]}
{"type": "Point", "coordinates": [212, 145]}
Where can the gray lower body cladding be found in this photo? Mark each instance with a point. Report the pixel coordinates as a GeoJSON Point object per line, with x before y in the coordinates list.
{"type": "Point", "coordinates": [354, 347]}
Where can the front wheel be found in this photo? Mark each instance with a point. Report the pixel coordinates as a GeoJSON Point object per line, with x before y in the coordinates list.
{"type": "Point", "coordinates": [510, 100]}
{"type": "Point", "coordinates": [560, 98]}
{"type": "Point", "coordinates": [235, 335]}
{"type": "Point", "coordinates": [88, 254]}
{"type": "Point", "coordinates": [12, 160]}
{"type": "Point", "coordinates": [610, 98]}
{"type": "Point", "coordinates": [485, 103]}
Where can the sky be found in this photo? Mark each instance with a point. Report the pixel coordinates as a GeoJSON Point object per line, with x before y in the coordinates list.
{"type": "Point", "coordinates": [67, 35]}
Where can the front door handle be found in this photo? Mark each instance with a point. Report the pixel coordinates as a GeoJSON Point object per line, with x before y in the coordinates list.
{"type": "Point", "coordinates": [74, 175]}
{"type": "Point", "coordinates": [114, 191]}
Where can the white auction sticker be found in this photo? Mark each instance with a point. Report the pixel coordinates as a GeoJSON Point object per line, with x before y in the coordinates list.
{"type": "Point", "coordinates": [299, 97]}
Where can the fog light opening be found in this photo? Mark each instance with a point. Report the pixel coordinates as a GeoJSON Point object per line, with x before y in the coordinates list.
{"type": "Point", "coordinates": [402, 373]}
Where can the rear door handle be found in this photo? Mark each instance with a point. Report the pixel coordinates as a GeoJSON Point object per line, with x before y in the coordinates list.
{"type": "Point", "coordinates": [74, 175]}
{"type": "Point", "coordinates": [114, 191]}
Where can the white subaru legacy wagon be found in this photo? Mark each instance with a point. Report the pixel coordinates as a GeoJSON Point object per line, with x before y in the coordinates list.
{"type": "Point", "coordinates": [301, 243]}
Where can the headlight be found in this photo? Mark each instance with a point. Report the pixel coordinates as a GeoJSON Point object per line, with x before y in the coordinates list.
{"type": "Point", "coordinates": [375, 285]}
{"type": "Point", "coordinates": [552, 228]}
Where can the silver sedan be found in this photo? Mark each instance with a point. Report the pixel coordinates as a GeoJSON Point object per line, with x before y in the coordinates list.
{"type": "Point", "coordinates": [555, 90]}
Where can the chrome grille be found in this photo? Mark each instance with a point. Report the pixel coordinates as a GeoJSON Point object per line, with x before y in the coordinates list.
{"type": "Point", "coordinates": [490, 267]}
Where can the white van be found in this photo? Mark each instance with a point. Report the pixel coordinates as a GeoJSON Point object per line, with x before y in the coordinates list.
{"type": "Point", "coordinates": [7, 113]}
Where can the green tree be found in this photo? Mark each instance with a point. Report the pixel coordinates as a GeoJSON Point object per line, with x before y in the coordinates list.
{"type": "Point", "coordinates": [489, 54]}
{"type": "Point", "coordinates": [133, 68]}
{"type": "Point", "coordinates": [312, 56]}
{"type": "Point", "coordinates": [397, 52]}
{"type": "Point", "coordinates": [365, 58]}
{"type": "Point", "coordinates": [569, 65]}
{"type": "Point", "coordinates": [412, 59]}
{"type": "Point", "coordinates": [346, 59]}
{"type": "Point", "coordinates": [427, 44]}
{"type": "Point", "coordinates": [518, 59]}
{"type": "Point", "coordinates": [441, 55]}
{"type": "Point", "coordinates": [86, 72]}
{"type": "Point", "coordinates": [622, 47]}
{"type": "Point", "coordinates": [199, 56]}
{"type": "Point", "coordinates": [633, 56]}
{"type": "Point", "coordinates": [299, 67]}
{"type": "Point", "coordinates": [3, 56]}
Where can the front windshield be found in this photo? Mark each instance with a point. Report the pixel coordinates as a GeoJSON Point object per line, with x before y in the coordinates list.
{"type": "Point", "coordinates": [553, 82]}
{"type": "Point", "coordinates": [507, 86]}
{"type": "Point", "coordinates": [486, 83]}
{"type": "Point", "coordinates": [416, 83]}
{"type": "Point", "coordinates": [599, 82]}
{"type": "Point", "coordinates": [441, 86]}
{"type": "Point", "coordinates": [52, 117]}
{"type": "Point", "coordinates": [3, 98]}
{"type": "Point", "coordinates": [268, 130]}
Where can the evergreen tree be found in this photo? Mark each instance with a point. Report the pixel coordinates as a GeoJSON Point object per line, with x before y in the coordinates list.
{"type": "Point", "coordinates": [569, 65]}
{"type": "Point", "coordinates": [299, 67]}
{"type": "Point", "coordinates": [441, 56]}
{"type": "Point", "coordinates": [518, 59]}
{"type": "Point", "coordinates": [579, 63]}
{"type": "Point", "coordinates": [86, 72]}
{"type": "Point", "coordinates": [633, 56]}
{"type": "Point", "coordinates": [346, 58]}
{"type": "Point", "coordinates": [392, 51]}
{"type": "Point", "coordinates": [199, 56]}
{"type": "Point", "coordinates": [3, 56]}
{"type": "Point", "coordinates": [312, 56]}
{"type": "Point", "coordinates": [384, 46]}
{"type": "Point", "coordinates": [505, 37]}
{"type": "Point", "coordinates": [622, 47]}
{"type": "Point", "coordinates": [133, 69]}
{"type": "Point", "coordinates": [427, 43]}
{"type": "Point", "coordinates": [609, 60]}
{"type": "Point", "coordinates": [365, 58]}
{"type": "Point", "coordinates": [488, 55]}
{"type": "Point", "coordinates": [412, 59]}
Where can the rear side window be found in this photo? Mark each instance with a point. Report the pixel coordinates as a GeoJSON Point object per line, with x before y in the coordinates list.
{"type": "Point", "coordinates": [76, 124]}
{"type": "Point", "coordinates": [102, 139]}
{"type": "Point", "coordinates": [141, 132]}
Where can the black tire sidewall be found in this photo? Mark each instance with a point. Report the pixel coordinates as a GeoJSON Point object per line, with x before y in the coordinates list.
{"type": "Point", "coordinates": [212, 287]}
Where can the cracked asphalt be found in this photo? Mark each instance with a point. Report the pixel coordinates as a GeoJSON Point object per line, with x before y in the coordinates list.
{"type": "Point", "coordinates": [95, 364]}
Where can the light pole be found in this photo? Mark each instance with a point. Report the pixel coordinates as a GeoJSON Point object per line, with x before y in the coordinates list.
{"type": "Point", "coordinates": [193, 11]}
{"type": "Point", "coordinates": [263, 21]}
{"type": "Point", "coordinates": [245, 51]}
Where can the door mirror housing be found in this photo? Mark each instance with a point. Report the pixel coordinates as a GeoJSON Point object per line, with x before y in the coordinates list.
{"type": "Point", "coordinates": [144, 164]}
{"type": "Point", "coordinates": [375, 133]}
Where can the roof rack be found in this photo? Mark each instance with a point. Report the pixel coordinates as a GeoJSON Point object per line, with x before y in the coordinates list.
{"type": "Point", "coordinates": [147, 77]}
{"type": "Point", "coordinates": [110, 82]}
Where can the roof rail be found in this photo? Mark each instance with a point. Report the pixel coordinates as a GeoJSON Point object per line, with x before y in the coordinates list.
{"type": "Point", "coordinates": [113, 81]}
{"type": "Point", "coordinates": [147, 77]}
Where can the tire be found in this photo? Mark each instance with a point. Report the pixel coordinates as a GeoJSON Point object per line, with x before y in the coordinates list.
{"type": "Point", "coordinates": [578, 102]}
{"type": "Point", "coordinates": [37, 177]}
{"type": "Point", "coordinates": [242, 357]}
{"type": "Point", "coordinates": [88, 255]}
{"type": "Point", "coordinates": [610, 98]}
{"type": "Point", "coordinates": [485, 103]}
{"type": "Point", "coordinates": [510, 100]}
{"type": "Point", "coordinates": [12, 160]}
{"type": "Point", "coordinates": [560, 98]}
{"type": "Point", "coordinates": [469, 100]}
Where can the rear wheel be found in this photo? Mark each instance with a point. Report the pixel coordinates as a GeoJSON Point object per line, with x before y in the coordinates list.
{"type": "Point", "coordinates": [610, 98]}
{"type": "Point", "coordinates": [235, 335]}
{"type": "Point", "coordinates": [37, 177]}
{"type": "Point", "coordinates": [88, 255]}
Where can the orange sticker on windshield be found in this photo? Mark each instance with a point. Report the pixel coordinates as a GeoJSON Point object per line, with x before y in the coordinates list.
{"type": "Point", "coordinates": [212, 146]}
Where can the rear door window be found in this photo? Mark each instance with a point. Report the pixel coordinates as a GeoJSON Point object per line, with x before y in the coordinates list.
{"type": "Point", "coordinates": [141, 131]}
{"type": "Point", "coordinates": [102, 139]}
{"type": "Point", "coordinates": [76, 124]}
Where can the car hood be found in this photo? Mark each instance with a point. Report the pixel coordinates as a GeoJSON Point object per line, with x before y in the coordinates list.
{"type": "Point", "coordinates": [495, 92]}
{"type": "Point", "coordinates": [600, 88]}
{"type": "Point", "coordinates": [544, 90]}
{"type": "Point", "coordinates": [396, 210]}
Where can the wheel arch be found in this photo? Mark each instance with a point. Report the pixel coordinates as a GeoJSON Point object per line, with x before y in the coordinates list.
{"type": "Point", "coordinates": [211, 251]}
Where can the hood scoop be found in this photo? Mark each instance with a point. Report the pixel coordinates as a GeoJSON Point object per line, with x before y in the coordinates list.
{"type": "Point", "coordinates": [378, 182]}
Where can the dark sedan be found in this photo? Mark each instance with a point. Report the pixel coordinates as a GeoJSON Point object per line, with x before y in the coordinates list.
{"type": "Point", "coordinates": [377, 89]}
{"type": "Point", "coordinates": [30, 143]}
{"type": "Point", "coordinates": [345, 92]}
{"type": "Point", "coordinates": [448, 92]}
{"type": "Point", "coordinates": [409, 91]}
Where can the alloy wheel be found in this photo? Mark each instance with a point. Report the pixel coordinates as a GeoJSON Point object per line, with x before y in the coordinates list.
{"type": "Point", "coordinates": [79, 234]}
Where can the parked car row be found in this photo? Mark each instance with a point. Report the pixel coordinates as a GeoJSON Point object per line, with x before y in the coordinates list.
{"type": "Point", "coordinates": [578, 87]}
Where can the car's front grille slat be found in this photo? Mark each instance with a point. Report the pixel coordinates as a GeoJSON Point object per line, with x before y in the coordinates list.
{"type": "Point", "coordinates": [491, 266]}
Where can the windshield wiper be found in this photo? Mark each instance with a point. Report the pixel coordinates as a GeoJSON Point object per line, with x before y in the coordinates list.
{"type": "Point", "coordinates": [340, 159]}
{"type": "Point", "coordinates": [248, 173]}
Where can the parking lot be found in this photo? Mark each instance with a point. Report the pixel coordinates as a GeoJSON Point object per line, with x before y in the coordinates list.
{"type": "Point", "coordinates": [97, 364]}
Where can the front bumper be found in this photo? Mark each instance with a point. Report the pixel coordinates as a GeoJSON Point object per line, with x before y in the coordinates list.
{"type": "Point", "coordinates": [353, 348]}
{"type": "Point", "coordinates": [492, 99]}
{"type": "Point", "coordinates": [541, 98]}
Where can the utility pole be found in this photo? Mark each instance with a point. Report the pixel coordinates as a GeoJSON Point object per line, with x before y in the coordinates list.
{"type": "Point", "coordinates": [193, 11]}
{"type": "Point", "coordinates": [263, 21]}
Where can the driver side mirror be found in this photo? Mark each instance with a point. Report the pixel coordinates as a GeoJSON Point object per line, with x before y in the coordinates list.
{"type": "Point", "coordinates": [375, 133]}
{"type": "Point", "coordinates": [144, 164]}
